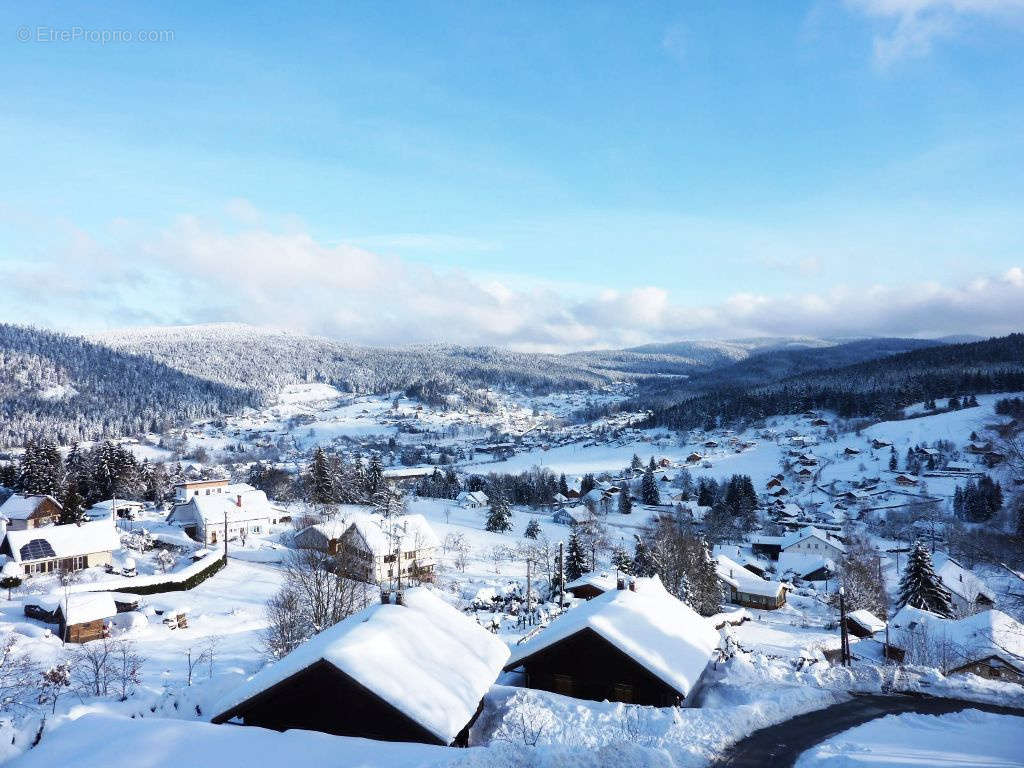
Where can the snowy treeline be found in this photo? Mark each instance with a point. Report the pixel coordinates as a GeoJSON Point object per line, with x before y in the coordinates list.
{"type": "Point", "coordinates": [66, 389]}
{"type": "Point", "coordinates": [878, 388]}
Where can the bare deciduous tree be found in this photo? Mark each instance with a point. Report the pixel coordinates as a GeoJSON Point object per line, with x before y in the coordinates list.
{"type": "Point", "coordinates": [19, 675]}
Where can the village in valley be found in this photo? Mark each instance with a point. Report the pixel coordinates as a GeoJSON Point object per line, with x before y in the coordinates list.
{"type": "Point", "coordinates": [545, 580]}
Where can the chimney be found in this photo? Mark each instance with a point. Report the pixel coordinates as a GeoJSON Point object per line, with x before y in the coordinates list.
{"type": "Point", "coordinates": [632, 585]}
{"type": "Point", "coordinates": [238, 500]}
{"type": "Point", "coordinates": [620, 582]}
{"type": "Point", "coordinates": [399, 599]}
{"type": "Point", "coordinates": [385, 597]}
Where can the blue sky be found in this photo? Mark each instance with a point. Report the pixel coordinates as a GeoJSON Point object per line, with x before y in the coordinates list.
{"type": "Point", "coordinates": [545, 175]}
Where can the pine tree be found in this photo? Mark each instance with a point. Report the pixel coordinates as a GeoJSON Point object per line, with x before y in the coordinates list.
{"type": "Point", "coordinates": [703, 590]}
{"type": "Point", "coordinates": [893, 463]}
{"type": "Point", "coordinates": [625, 501]}
{"type": "Point", "coordinates": [374, 476]}
{"type": "Point", "coordinates": [921, 587]}
{"type": "Point", "coordinates": [622, 561]}
{"type": "Point", "coordinates": [71, 507]}
{"type": "Point", "coordinates": [563, 487]}
{"type": "Point", "coordinates": [649, 487]}
{"type": "Point", "coordinates": [636, 464]}
{"type": "Point", "coordinates": [532, 529]}
{"type": "Point", "coordinates": [643, 560]}
{"type": "Point", "coordinates": [587, 484]}
{"type": "Point", "coordinates": [575, 559]}
{"type": "Point", "coordinates": [499, 516]}
{"type": "Point", "coordinates": [320, 483]}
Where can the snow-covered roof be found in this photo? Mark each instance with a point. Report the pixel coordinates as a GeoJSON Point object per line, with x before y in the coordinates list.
{"type": "Point", "coordinates": [603, 581]}
{"type": "Point", "coordinates": [87, 606]}
{"type": "Point", "coordinates": [960, 580]}
{"type": "Point", "coordinates": [803, 563]}
{"type": "Point", "coordinates": [810, 531]}
{"type": "Point", "coordinates": [63, 541]}
{"type": "Point", "coordinates": [742, 580]}
{"type": "Point", "coordinates": [476, 497]}
{"type": "Point", "coordinates": [425, 658]}
{"type": "Point", "coordinates": [662, 634]}
{"type": "Point", "coordinates": [972, 638]}
{"type": "Point", "coordinates": [866, 619]}
{"type": "Point", "coordinates": [405, 531]}
{"type": "Point", "coordinates": [120, 504]}
{"type": "Point", "coordinates": [576, 514]}
{"type": "Point", "coordinates": [18, 507]}
{"type": "Point", "coordinates": [210, 509]}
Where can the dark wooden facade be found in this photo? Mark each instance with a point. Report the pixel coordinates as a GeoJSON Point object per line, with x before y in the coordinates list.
{"type": "Point", "coordinates": [82, 633]}
{"type": "Point", "coordinates": [323, 698]}
{"type": "Point", "coordinates": [766, 550]}
{"type": "Point", "coordinates": [585, 591]}
{"type": "Point", "coordinates": [586, 666]}
{"type": "Point", "coordinates": [992, 668]}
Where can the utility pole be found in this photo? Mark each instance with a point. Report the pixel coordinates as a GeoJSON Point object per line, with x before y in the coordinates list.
{"type": "Point", "coordinates": [225, 534]}
{"type": "Point", "coordinates": [844, 637]}
{"type": "Point", "coordinates": [561, 574]}
{"type": "Point", "coordinates": [529, 615]}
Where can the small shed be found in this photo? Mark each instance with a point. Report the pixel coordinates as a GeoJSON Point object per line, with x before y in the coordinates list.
{"type": "Point", "coordinates": [863, 623]}
{"type": "Point", "coordinates": [85, 616]}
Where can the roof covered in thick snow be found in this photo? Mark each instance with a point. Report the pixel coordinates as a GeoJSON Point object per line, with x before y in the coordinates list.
{"type": "Point", "coordinates": [382, 535]}
{"type": "Point", "coordinates": [803, 563]}
{"type": "Point", "coordinates": [210, 509]}
{"type": "Point", "coordinates": [866, 619]}
{"type": "Point", "coordinates": [603, 581]}
{"type": "Point", "coordinates": [82, 607]}
{"type": "Point", "coordinates": [425, 658]}
{"type": "Point", "coordinates": [662, 634]}
{"type": "Point", "coordinates": [811, 532]}
{"type": "Point", "coordinates": [972, 638]}
{"type": "Point", "coordinates": [960, 580]}
{"type": "Point", "coordinates": [63, 541]}
{"type": "Point", "coordinates": [742, 580]}
{"type": "Point", "coordinates": [18, 507]}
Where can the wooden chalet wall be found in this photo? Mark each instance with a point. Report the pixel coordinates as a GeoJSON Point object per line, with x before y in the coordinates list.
{"type": "Point", "coordinates": [586, 666]}
{"type": "Point", "coordinates": [83, 633]}
{"type": "Point", "coordinates": [322, 698]}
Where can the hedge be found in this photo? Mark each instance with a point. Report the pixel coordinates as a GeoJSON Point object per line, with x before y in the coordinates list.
{"type": "Point", "coordinates": [180, 586]}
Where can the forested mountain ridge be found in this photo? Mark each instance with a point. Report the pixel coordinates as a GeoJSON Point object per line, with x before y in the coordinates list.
{"type": "Point", "coordinates": [66, 388]}
{"type": "Point", "coordinates": [876, 388]}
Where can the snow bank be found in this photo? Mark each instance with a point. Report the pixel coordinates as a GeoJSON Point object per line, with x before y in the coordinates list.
{"type": "Point", "coordinates": [968, 739]}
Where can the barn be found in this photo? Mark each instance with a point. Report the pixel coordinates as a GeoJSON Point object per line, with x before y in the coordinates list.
{"type": "Point", "coordinates": [638, 645]}
{"type": "Point", "coordinates": [409, 669]}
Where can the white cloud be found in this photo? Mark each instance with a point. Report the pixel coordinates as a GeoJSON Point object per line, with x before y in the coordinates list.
{"type": "Point", "coordinates": [913, 26]}
{"type": "Point", "coordinates": [197, 272]}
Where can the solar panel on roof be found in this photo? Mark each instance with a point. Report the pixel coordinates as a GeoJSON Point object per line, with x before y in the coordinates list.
{"type": "Point", "coordinates": [37, 549]}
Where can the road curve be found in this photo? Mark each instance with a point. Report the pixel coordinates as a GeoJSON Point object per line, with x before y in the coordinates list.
{"type": "Point", "coordinates": [780, 745]}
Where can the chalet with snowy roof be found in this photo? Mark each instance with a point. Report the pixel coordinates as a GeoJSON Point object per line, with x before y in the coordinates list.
{"type": "Point", "coordinates": [989, 644]}
{"type": "Point", "coordinates": [123, 508]}
{"type": "Point", "coordinates": [472, 499]}
{"type": "Point", "coordinates": [745, 588]}
{"type": "Point", "coordinates": [877, 444]}
{"type": "Point", "coordinates": [862, 623]}
{"type": "Point", "coordinates": [807, 566]}
{"type": "Point", "coordinates": [969, 593]}
{"type": "Point", "coordinates": [905, 480]}
{"type": "Point", "coordinates": [767, 546]}
{"type": "Point", "coordinates": [85, 616]}
{"type": "Point", "coordinates": [573, 516]}
{"type": "Point", "coordinates": [23, 512]}
{"type": "Point", "coordinates": [61, 547]}
{"type": "Point", "coordinates": [851, 451]}
{"type": "Point", "coordinates": [409, 669]}
{"type": "Point", "coordinates": [774, 482]}
{"type": "Point", "coordinates": [380, 550]}
{"type": "Point", "coordinates": [960, 468]}
{"type": "Point", "coordinates": [590, 585]}
{"type": "Point", "coordinates": [638, 645]}
{"type": "Point", "coordinates": [694, 458]}
{"type": "Point", "coordinates": [805, 473]}
{"type": "Point", "coordinates": [819, 422]}
{"type": "Point", "coordinates": [235, 510]}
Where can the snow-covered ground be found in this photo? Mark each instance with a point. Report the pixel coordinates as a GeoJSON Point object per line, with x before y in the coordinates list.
{"type": "Point", "coordinates": [967, 739]}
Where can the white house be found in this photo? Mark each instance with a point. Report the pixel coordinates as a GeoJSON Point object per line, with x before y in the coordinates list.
{"type": "Point", "coordinates": [239, 507]}
{"type": "Point", "coordinates": [61, 547]}
{"type": "Point", "coordinates": [188, 490]}
{"type": "Point", "coordinates": [472, 499]}
{"type": "Point", "coordinates": [380, 550]}
{"type": "Point", "coordinates": [813, 541]}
